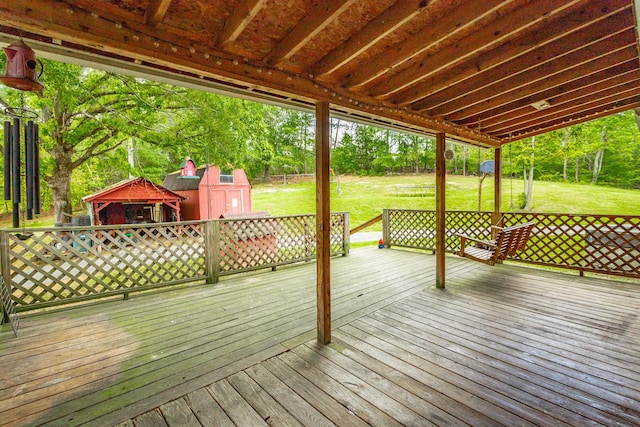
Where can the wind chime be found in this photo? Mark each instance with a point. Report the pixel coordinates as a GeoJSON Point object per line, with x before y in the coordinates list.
{"type": "Point", "coordinates": [21, 73]}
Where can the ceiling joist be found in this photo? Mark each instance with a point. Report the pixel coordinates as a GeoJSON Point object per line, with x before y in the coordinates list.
{"type": "Point", "coordinates": [470, 69]}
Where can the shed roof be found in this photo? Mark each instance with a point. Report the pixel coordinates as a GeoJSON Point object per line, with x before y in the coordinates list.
{"type": "Point", "coordinates": [486, 72]}
{"type": "Point", "coordinates": [176, 182]}
{"type": "Point", "coordinates": [135, 190]}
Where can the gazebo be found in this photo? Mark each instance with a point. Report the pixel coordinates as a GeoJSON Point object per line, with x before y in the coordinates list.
{"type": "Point", "coordinates": [133, 201]}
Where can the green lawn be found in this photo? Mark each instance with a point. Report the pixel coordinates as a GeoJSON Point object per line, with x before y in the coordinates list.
{"type": "Point", "coordinates": [365, 197]}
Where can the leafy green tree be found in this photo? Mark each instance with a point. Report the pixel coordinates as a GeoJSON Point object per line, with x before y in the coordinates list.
{"type": "Point", "coordinates": [86, 115]}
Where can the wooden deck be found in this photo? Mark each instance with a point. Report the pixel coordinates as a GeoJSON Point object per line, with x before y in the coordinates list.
{"type": "Point", "coordinates": [501, 345]}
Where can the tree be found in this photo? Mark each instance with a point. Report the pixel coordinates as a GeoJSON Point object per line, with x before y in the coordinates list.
{"type": "Point", "coordinates": [86, 115]}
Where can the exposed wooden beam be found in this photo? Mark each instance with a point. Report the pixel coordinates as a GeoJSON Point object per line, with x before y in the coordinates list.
{"type": "Point", "coordinates": [560, 25]}
{"type": "Point", "coordinates": [519, 20]}
{"type": "Point", "coordinates": [596, 113]}
{"type": "Point", "coordinates": [375, 30]}
{"type": "Point", "coordinates": [323, 223]}
{"type": "Point", "coordinates": [441, 210]}
{"type": "Point", "coordinates": [444, 27]}
{"type": "Point", "coordinates": [322, 14]}
{"type": "Point", "coordinates": [606, 100]}
{"type": "Point", "coordinates": [612, 76]}
{"type": "Point", "coordinates": [102, 35]}
{"type": "Point", "coordinates": [156, 11]}
{"type": "Point", "coordinates": [572, 66]}
{"type": "Point", "coordinates": [553, 81]}
{"type": "Point", "coordinates": [606, 92]}
{"type": "Point", "coordinates": [238, 21]}
{"type": "Point", "coordinates": [549, 59]}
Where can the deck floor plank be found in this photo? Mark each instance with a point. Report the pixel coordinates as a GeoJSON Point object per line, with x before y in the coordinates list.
{"type": "Point", "coordinates": [261, 401]}
{"type": "Point", "coordinates": [177, 413]}
{"type": "Point", "coordinates": [207, 410]}
{"type": "Point", "coordinates": [289, 399]}
{"type": "Point", "coordinates": [501, 345]}
{"type": "Point", "coordinates": [234, 405]}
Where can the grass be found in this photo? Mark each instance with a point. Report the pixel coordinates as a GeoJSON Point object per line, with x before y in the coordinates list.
{"type": "Point", "coordinates": [366, 197]}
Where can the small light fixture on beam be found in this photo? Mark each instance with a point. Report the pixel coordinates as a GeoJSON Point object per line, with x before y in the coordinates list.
{"type": "Point", "coordinates": [541, 105]}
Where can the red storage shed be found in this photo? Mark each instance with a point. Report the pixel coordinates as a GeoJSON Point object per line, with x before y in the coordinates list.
{"type": "Point", "coordinates": [211, 192]}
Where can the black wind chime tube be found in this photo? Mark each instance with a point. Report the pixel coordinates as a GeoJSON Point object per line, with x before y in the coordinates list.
{"type": "Point", "coordinates": [7, 160]}
{"type": "Point", "coordinates": [36, 169]}
{"type": "Point", "coordinates": [29, 172]}
{"type": "Point", "coordinates": [15, 171]}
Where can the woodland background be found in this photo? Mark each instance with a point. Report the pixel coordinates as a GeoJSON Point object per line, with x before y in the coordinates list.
{"type": "Point", "coordinates": [98, 128]}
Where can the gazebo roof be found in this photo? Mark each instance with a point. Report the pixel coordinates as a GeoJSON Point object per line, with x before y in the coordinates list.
{"type": "Point", "coordinates": [134, 190]}
{"type": "Point", "coordinates": [486, 72]}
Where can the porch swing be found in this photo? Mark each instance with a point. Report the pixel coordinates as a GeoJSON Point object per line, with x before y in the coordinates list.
{"type": "Point", "coordinates": [507, 242]}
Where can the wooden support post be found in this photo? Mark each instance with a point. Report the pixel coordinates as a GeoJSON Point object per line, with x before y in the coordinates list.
{"type": "Point", "coordinates": [346, 236]}
{"type": "Point", "coordinates": [441, 210]}
{"type": "Point", "coordinates": [497, 190]}
{"type": "Point", "coordinates": [212, 250]}
{"type": "Point", "coordinates": [323, 223]}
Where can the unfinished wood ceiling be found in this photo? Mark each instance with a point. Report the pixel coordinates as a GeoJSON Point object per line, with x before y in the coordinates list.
{"type": "Point", "coordinates": [487, 72]}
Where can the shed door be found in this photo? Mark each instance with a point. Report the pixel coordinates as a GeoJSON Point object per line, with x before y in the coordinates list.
{"type": "Point", "coordinates": [234, 202]}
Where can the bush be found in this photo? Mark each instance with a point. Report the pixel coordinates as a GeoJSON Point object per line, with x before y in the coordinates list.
{"type": "Point", "coordinates": [522, 200]}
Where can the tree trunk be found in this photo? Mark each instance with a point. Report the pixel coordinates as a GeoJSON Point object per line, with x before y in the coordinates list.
{"type": "Point", "coordinates": [60, 184]}
{"type": "Point", "coordinates": [60, 180]}
{"type": "Point", "coordinates": [464, 161]}
{"type": "Point", "coordinates": [577, 169]}
{"type": "Point", "coordinates": [597, 163]}
{"type": "Point", "coordinates": [563, 145]}
{"type": "Point", "coordinates": [267, 174]}
{"type": "Point", "coordinates": [529, 189]}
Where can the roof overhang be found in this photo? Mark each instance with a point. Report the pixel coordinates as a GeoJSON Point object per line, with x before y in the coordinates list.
{"type": "Point", "coordinates": [472, 71]}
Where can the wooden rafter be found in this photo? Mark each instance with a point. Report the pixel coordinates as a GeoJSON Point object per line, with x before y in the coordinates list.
{"type": "Point", "coordinates": [528, 41]}
{"type": "Point", "coordinates": [563, 122]}
{"type": "Point", "coordinates": [373, 32]}
{"type": "Point", "coordinates": [487, 88]}
{"type": "Point", "coordinates": [238, 21]}
{"type": "Point", "coordinates": [445, 27]}
{"type": "Point", "coordinates": [156, 11]}
{"type": "Point", "coordinates": [468, 68]}
{"type": "Point", "coordinates": [319, 17]}
{"type": "Point", "coordinates": [521, 20]}
{"type": "Point", "coordinates": [621, 96]}
{"type": "Point", "coordinates": [608, 90]}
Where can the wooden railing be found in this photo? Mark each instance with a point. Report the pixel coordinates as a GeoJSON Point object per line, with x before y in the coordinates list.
{"type": "Point", "coordinates": [608, 244]}
{"type": "Point", "coordinates": [50, 266]}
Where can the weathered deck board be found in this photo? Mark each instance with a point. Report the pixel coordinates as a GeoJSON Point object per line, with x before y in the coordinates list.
{"type": "Point", "coordinates": [164, 345]}
{"type": "Point", "coordinates": [501, 345]}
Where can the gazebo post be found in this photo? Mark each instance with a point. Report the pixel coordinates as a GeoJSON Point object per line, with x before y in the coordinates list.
{"type": "Point", "coordinates": [323, 223]}
{"type": "Point", "coordinates": [441, 211]}
{"type": "Point", "coordinates": [497, 188]}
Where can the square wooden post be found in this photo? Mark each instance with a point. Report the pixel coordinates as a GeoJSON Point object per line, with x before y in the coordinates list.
{"type": "Point", "coordinates": [441, 210]}
{"type": "Point", "coordinates": [323, 223]}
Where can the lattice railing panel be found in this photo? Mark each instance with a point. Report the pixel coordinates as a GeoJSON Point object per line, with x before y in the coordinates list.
{"type": "Point", "coordinates": [600, 243]}
{"type": "Point", "coordinates": [252, 243]}
{"type": "Point", "coordinates": [8, 307]}
{"type": "Point", "coordinates": [49, 266]}
{"type": "Point", "coordinates": [411, 228]}
{"type": "Point", "coordinates": [470, 223]}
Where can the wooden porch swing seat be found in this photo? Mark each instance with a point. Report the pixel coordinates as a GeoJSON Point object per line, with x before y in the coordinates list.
{"type": "Point", "coordinates": [508, 241]}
